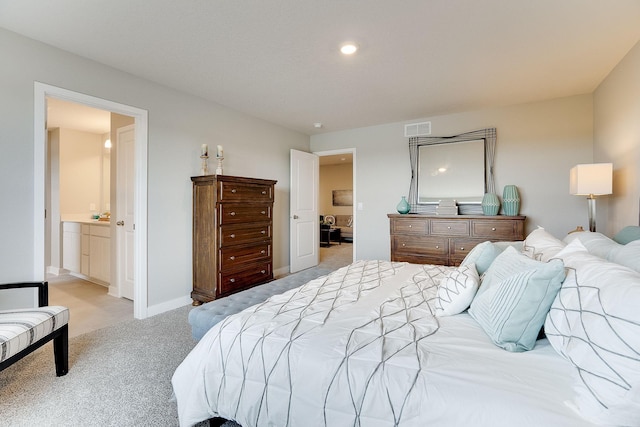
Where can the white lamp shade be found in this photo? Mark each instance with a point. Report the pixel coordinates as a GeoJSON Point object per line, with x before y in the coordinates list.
{"type": "Point", "coordinates": [595, 178]}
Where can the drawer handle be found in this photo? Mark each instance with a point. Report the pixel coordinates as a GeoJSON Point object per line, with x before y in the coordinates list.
{"type": "Point", "coordinates": [403, 245]}
{"type": "Point", "coordinates": [232, 280]}
{"type": "Point", "coordinates": [234, 190]}
{"type": "Point", "coordinates": [264, 232]}
{"type": "Point", "coordinates": [493, 229]}
{"type": "Point", "coordinates": [233, 236]}
{"type": "Point", "coordinates": [461, 248]}
{"type": "Point", "coordinates": [232, 214]}
{"type": "Point", "coordinates": [448, 227]}
{"type": "Point", "coordinates": [410, 225]}
{"type": "Point", "coordinates": [437, 247]}
{"type": "Point", "coordinates": [232, 258]}
{"type": "Point", "coordinates": [263, 251]}
{"type": "Point", "coordinates": [264, 191]}
{"type": "Point", "coordinates": [263, 212]}
{"type": "Point", "coordinates": [262, 271]}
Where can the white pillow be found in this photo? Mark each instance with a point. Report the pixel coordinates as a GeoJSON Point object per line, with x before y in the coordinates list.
{"type": "Point", "coordinates": [456, 290]}
{"type": "Point", "coordinates": [541, 246]}
{"type": "Point", "coordinates": [594, 322]}
{"type": "Point", "coordinates": [600, 245]}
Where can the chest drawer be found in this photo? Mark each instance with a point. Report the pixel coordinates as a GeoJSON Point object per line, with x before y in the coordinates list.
{"type": "Point", "coordinates": [460, 248]}
{"type": "Point", "coordinates": [421, 245]}
{"type": "Point", "coordinates": [450, 228]}
{"type": "Point", "coordinates": [495, 230]}
{"type": "Point", "coordinates": [409, 226]}
{"type": "Point", "coordinates": [237, 235]}
{"type": "Point", "coordinates": [241, 279]}
{"type": "Point", "coordinates": [232, 257]}
{"type": "Point", "coordinates": [232, 213]}
{"type": "Point", "coordinates": [235, 191]}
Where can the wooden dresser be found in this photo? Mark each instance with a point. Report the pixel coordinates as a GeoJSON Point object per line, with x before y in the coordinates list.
{"type": "Point", "coordinates": [232, 235]}
{"type": "Point", "coordinates": [430, 239]}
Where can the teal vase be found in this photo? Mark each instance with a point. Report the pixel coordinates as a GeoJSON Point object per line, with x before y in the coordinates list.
{"type": "Point", "coordinates": [403, 207]}
{"type": "Point", "coordinates": [511, 200]}
{"type": "Point", "coordinates": [490, 204]}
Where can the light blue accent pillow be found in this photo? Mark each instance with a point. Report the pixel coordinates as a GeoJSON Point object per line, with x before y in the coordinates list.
{"type": "Point", "coordinates": [517, 293]}
{"type": "Point", "coordinates": [482, 255]}
{"type": "Point", "coordinates": [627, 234]}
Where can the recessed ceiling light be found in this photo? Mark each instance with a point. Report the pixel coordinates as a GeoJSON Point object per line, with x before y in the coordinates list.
{"type": "Point", "coordinates": [317, 125]}
{"type": "Point", "coordinates": [348, 48]}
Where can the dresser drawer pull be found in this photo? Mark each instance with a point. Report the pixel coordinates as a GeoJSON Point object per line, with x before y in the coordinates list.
{"type": "Point", "coordinates": [493, 229]}
{"type": "Point", "coordinates": [233, 236]}
{"type": "Point", "coordinates": [234, 190]}
{"type": "Point", "coordinates": [262, 271]}
{"type": "Point", "coordinates": [403, 245]}
{"type": "Point", "coordinates": [410, 226]}
{"type": "Point", "coordinates": [263, 212]}
{"type": "Point", "coordinates": [448, 227]}
{"type": "Point", "coordinates": [232, 280]}
{"type": "Point", "coordinates": [264, 191]}
{"type": "Point", "coordinates": [437, 246]}
{"type": "Point", "coordinates": [232, 214]}
{"type": "Point", "coordinates": [232, 258]}
{"type": "Point", "coordinates": [263, 251]}
{"type": "Point", "coordinates": [461, 248]}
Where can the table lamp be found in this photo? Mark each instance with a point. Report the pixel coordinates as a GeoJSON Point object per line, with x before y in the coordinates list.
{"type": "Point", "coordinates": [591, 180]}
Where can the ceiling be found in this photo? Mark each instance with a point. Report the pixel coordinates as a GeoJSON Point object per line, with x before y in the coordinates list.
{"type": "Point", "coordinates": [278, 60]}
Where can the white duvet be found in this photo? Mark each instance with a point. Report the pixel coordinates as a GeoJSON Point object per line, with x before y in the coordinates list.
{"type": "Point", "coordinates": [360, 347]}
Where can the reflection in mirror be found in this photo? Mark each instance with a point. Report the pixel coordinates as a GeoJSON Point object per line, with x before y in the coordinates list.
{"type": "Point", "coordinates": [451, 171]}
{"type": "Point", "coordinates": [455, 167]}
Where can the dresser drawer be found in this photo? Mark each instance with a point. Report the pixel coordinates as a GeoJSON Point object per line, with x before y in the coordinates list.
{"type": "Point", "coordinates": [241, 279]}
{"type": "Point", "coordinates": [496, 230]}
{"type": "Point", "coordinates": [409, 226]}
{"type": "Point", "coordinates": [460, 248]}
{"type": "Point", "coordinates": [234, 191]}
{"type": "Point", "coordinates": [421, 245]}
{"type": "Point", "coordinates": [237, 235]}
{"type": "Point", "coordinates": [233, 258]}
{"type": "Point", "coordinates": [232, 213]}
{"type": "Point", "coordinates": [449, 228]}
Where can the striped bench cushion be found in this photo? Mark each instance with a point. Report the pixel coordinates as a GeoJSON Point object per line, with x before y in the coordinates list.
{"type": "Point", "coordinates": [21, 328]}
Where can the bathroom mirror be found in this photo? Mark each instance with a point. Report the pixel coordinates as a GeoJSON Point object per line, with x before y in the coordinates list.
{"type": "Point", "coordinates": [458, 167]}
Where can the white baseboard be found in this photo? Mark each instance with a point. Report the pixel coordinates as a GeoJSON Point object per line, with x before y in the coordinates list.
{"type": "Point", "coordinates": [168, 305]}
{"type": "Point", "coordinates": [57, 271]}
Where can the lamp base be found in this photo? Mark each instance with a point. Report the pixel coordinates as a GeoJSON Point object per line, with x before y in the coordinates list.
{"type": "Point", "coordinates": [591, 206]}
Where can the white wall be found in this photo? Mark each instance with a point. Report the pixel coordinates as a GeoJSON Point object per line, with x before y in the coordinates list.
{"type": "Point", "coordinates": [81, 174]}
{"type": "Point", "coordinates": [537, 145]}
{"type": "Point", "coordinates": [617, 140]}
{"type": "Point", "coordinates": [178, 125]}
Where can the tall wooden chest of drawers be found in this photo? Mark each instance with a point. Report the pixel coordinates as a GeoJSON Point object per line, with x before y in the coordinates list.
{"type": "Point", "coordinates": [446, 240]}
{"type": "Point", "coordinates": [232, 235]}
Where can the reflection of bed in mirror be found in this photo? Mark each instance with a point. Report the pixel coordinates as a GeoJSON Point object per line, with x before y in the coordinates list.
{"type": "Point", "coordinates": [456, 167]}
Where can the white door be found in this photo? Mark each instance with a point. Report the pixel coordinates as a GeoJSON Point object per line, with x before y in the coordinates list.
{"type": "Point", "coordinates": [125, 210]}
{"type": "Point", "coordinates": [303, 211]}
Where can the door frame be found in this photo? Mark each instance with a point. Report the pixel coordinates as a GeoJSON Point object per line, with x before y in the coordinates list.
{"type": "Point", "coordinates": [43, 91]}
{"type": "Point", "coordinates": [352, 151]}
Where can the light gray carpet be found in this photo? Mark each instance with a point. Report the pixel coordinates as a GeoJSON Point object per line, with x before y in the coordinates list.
{"type": "Point", "coordinates": [118, 376]}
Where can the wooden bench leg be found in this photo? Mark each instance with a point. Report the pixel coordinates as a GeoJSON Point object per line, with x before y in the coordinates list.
{"type": "Point", "coordinates": [61, 351]}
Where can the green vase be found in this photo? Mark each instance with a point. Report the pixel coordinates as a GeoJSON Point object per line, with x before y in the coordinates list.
{"type": "Point", "coordinates": [490, 204]}
{"type": "Point", "coordinates": [511, 200]}
{"type": "Point", "coordinates": [403, 207]}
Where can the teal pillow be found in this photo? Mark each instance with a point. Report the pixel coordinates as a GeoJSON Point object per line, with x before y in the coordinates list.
{"type": "Point", "coordinates": [482, 255]}
{"type": "Point", "coordinates": [627, 234]}
{"type": "Point", "coordinates": [517, 293]}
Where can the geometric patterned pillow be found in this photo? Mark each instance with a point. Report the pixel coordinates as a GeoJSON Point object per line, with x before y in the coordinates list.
{"type": "Point", "coordinates": [594, 323]}
{"type": "Point", "coordinates": [456, 291]}
{"type": "Point", "coordinates": [541, 246]}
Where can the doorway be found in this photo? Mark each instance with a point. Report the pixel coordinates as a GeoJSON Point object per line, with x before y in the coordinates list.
{"type": "Point", "coordinates": [42, 93]}
{"type": "Point", "coordinates": [337, 189]}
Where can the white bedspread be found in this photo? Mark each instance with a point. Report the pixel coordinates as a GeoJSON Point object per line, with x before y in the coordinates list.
{"type": "Point", "coordinates": [361, 347]}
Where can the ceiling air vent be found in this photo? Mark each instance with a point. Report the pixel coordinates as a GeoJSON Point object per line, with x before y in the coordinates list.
{"type": "Point", "coordinates": [417, 129]}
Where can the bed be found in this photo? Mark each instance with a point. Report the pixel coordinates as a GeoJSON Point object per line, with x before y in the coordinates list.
{"type": "Point", "coordinates": [380, 343]}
